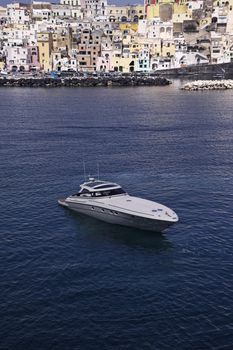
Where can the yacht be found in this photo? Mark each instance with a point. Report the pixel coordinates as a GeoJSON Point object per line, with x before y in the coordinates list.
{"type": "Point", "coordinates": [107, 201]}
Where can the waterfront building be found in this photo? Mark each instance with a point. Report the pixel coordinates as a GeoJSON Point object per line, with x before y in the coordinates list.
{"type": "Point", "coordinates": [88, 50]}
{"type": "Point", "coordinates": [21, 58]}
{"type": "Point", "coordinates": [183, 59]}
{"type": "Point", "coordinates": [45, 45]}
{"type": "Point", "coordinates": [121, 64]}
{"type": "Point", "coordinates": [216, 48]}
{"type": "Point", "coordinates": [61, 62]}
{"type": "Point", "coordinates": [167, 48]}
{"type": "Point", "coordinates": [159, 63]}
{"type": "Point", "coordinates": [142, 62]}
{"type": "Point", "coordinates": [104, 61]}
{"type": "Point", "coordinates": [229, 48]}
{"type": "Point", "coordinates": [17, 58]}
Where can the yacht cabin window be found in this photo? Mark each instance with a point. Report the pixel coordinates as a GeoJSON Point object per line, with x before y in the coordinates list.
{"type": "Point", "coordinates": [108, 193]}
{"type": "Point", "coordinates": [85, 193]}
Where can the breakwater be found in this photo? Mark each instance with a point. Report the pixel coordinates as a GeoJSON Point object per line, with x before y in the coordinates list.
{"type": "Point", "coordinates": [89, 81]}
{"type": "Point", "coordinates": [208, 85]}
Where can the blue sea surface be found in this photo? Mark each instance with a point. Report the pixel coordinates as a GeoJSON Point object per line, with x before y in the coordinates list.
{"type": "Point", "coordinates": [72, 282]}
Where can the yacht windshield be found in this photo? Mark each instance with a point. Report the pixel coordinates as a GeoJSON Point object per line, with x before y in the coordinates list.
{"type": "Point", "coordinates": [108, 193]}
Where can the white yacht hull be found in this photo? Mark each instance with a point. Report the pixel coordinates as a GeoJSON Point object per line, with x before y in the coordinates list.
{"type": "Point", "coordinates": [117, 217]}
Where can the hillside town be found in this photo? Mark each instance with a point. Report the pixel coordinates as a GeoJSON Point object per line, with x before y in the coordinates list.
{"type": "Point", "coordinates": [94, 36]}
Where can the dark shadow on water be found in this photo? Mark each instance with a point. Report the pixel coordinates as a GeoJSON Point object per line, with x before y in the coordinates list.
{"type": "Point", "coordinates": [131, 237]}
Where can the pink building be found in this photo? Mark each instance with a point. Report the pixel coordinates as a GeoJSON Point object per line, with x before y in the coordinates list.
{"type": "Point", "coordinates": [22, 58]}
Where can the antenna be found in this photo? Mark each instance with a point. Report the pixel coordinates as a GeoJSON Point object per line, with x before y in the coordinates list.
{"type": "Point", "coordinates": [98, 170]}
{"type": "Point", "coordinates": [84, 170]}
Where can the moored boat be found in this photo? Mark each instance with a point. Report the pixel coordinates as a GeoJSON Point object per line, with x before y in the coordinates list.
{"type": "Point", "coordinates": [108, 202]}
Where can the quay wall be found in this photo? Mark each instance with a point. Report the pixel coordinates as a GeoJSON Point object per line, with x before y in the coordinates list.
{"type": "Point", "coordinates": [206, 71]}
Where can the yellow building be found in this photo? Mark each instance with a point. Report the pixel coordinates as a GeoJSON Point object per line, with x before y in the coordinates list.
{"type": "Point", "coordinates": [2, 65]}
{"type": "Point", "coordinates": [121, 64]}
{"type": "Point", "coordinates": [62, 40]}
{"type": "Point", "coordinates": [117, 13]}
{"type": "Point", "coordinates": [136, 12]}
{"type": "Point", "coordinates": [127, 26]}
{"type": "Point", "coordinates": [168, 48]}
{"type": "Point", "coordinates": [126, 13]}
{"type": "Point", "coordinates": [45, 45]}
{"type": "Point", "coordinates": [153, 45]}
{"type": "Point", "coordinates": [205, 21]}
{"type": "Point", "coordinates": [152, 11]}
{"type": "Point", "coordinates": [181, 13]}
{"type": "Point", "coordinates": [153, 8]}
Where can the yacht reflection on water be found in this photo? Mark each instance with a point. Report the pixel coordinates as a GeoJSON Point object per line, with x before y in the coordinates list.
{"type": "Point", "coordinates": [108, 202]}
{"type": "Point", "coordinates": [121, 235]}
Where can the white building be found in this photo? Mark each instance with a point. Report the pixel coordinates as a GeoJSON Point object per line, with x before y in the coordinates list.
{"type": "Point", "coordinates": [142, 62]}
{"type": "Point", "coordinates": [3, 12]}
{"type": "Point", "coordinates": [155, 28]}
{"type": "Point", "coordinates": [221, 14]}
{"type": "Point", "coordinates": [41, 11]}
{"type": "Point", "coordinates": [183, 59]}
{"type": "Point", "coordinates": [229, 28]}
{"type": "Point", "coordinates": [18, 14]}
{"type": "Point", "coordinates": [71, 2]}
{"type": "Point", "coordinates": [216, 48]}
{"type": "Point", "coordinates": [160, 63]}
{"type": "Point", "coordinates": [17, 58]}
{"type": "Point", "coordinates": [63, 64]}
{"type": "Point", "coordinates": [61, 11]}
{"type": "Point", "coordinates": [195, 5]}
{"type": "Point", "coordinates": [18, 36]}
{"type": "Point", "coordinates": [96, 9]}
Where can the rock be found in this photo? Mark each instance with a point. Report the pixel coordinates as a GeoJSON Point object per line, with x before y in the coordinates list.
{"type": "Point", "coordinates": [77, 81]}
{"type": "Point", "coordinates": [208, 85]}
